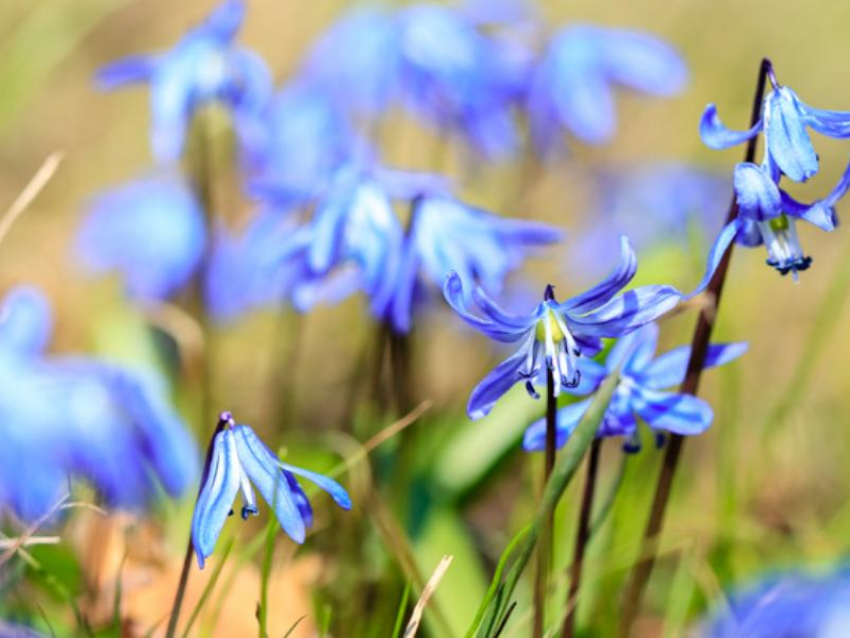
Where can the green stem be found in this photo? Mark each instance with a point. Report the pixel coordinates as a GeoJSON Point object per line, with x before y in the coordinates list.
{"type": "Point", "coordinates": [699, 346]}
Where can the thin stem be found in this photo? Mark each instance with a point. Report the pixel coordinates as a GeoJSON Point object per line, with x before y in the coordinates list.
{"type": "Point", "coordinates": [582, 537]}
{"type": "Point", "coordinates": [699, 347]}
{"type": "Point", "coordinates": [544, 553]}
{"type": "Point", "coordinates": [224, 419]}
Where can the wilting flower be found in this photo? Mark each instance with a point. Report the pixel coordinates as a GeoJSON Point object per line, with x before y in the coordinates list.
{"type": "Point", "coordinates": [784, 120]}
{"type": "Point", "coordinates": [70, 417]}
{"type": "Point", "coordinates": [768, 215]}
{"type": "Point", "coordinates": [571, 87]}
{"type": "Point", "coordinates": [239, 458]}
{"type": "Point", "coordinates": [446, 235]}
{"type": "Point", "coordinates": [152, 231]}
{"type": "Point", "coordinates": [639, 391]}
{"type": "Point", "coordinates": [204, 67]}
{"type": "Point", "coordinates": [554, 335]}
{"type": "Point", "coordinates": [791, 605]}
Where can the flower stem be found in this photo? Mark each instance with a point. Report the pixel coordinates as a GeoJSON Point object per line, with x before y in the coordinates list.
{"type": "Point", "coordinates": [544, 552]}
{"type": "Point", "coordinates": [223, 421]}
{"type": "Point", "coordinates": [582, 537]}
{"type": "Point", "coordinates": [699, 346]}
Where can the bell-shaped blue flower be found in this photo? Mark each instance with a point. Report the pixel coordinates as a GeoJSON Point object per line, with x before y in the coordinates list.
{"type": "Point", "coordinates": [152, 231]}
{"type": "Point", "coordinates": [785, 120]}
{"type": "Point", "coordinates": [240, 459]}
{"type": "Point", "coordinates": [639, 392]}
{"type": "Point", "coordinates": [768, 215]}
{"type": "Point", "coordinates": [70, 417]}
{"type": "Point", "coordinates": [571, 87]}
{"type": "Point", "coordinates": [447, 235]}
{"type": "Point", "coordinates": [204, 67]}
{"type": "Point", "coordinates": [555, 335]}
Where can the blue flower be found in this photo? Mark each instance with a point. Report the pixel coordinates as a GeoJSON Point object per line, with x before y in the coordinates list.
{"type": "Point", "coordinates": [446, 235]}
{"type": "Point", "coordinates": [783, 606]}
{"type": "Point", "coordinates": [785, 120]}
{"type": "Point", "coordinates": [152, 231]}
{"type": "Point", "coordinates": [571, 85]}
{"type": "Point", "coordinates": [554, 335]}
{"type": "Point", "coordinates": [240, 458]}
{"type": "Point", "coordinates": [73, 417]}
{"type": "Point", "coordinates": [768, 215]}
{"type": "Point", "coordinates": [639, 391]}
{"type": "Point", "coordinates": [204, 67]}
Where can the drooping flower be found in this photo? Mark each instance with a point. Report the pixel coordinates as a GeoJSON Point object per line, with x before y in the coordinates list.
{"type": "Point", "coordinates": [639, 392]}
{"type": "Point", "coordinates": [554, 335]}
{"type": "Point", "coordinates": [571, 87]}
{"type": "Point", "coordinates": [784, 120]}
{"type": "Point", "coordinates": [768, 215]}
{"type": "Point", "coordinates": [239, 458]}
{"type": "Point", "coordinates": [152, 231]}
{"type": "Point", "coordinates": [72, 417]}
{"type": "Point", "coordinates": [787, 605]}
{"type": "Point", "coordinates": [447, 235]}
{"type": "Point", "coordinates": [204, 67]}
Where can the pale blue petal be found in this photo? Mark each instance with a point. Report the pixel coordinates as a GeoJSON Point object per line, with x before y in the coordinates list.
{"type": "Point", "coordinates": [534, 439]}
{"type": "Point", "coordinates": [495, 384]}
{"type": "Point", "coordinates": [26, 322]}
{"type": "Point", "coordinates": [757, 194]}
{"type": "Point", "coordinates": [627, 312]}
{"type": "Point", "coordinates": [262, 467]}
{"type": "Point", "coordinates": [670, 368]}
{"type": "Point", "coordinates": [454, 294]}
{"type": "Point", "coordinates": [216, 498]}
{"type": "Point", "coordinates": [788, 141]}
{"type": "Point", "coordinates": [642, 62]}
{"type": "Point", "coordinates": [337, 492]}
{"type": "Point", "coordinates": [632, 352]}
{"type": "Point", "coordinates": [610, 286]}
{"type": "Point", "coordinates": [715, 135]}
{"type": "Point", "coordinates": [730, 232]}
{"type": "Point", "coordinates": [829, 123]}
{"type": "Point", "coordinates": [135, 68]}
{"type": "Point", "coordinates": [678, 413]}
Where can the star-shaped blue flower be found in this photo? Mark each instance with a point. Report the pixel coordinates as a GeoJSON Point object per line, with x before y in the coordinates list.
{"type": "Point", "coordinates": [785, 120]}
{"type": "Point", "coordinates": [571, 86]}
{"type": "Point", "coordinates": [240, 459]}
{"type": "Point", "coordinates": [203, 67]}
{"type": "Point", "coordinates": [639, 392]}
{"type": "Point", "coordinates": [555, 335]}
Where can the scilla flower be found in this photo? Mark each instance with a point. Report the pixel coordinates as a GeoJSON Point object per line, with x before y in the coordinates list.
{"type": "Point", "coordinates": [768, 215]}
{"type": "Point", "coordinates": [785, 120]}
{"type": "Point", "coordinates": [204, 67]}
{"type": "Point", "coordinates": [572, 84]}
{"type": "Point", "coordinates": [639, 392]}
{"type": "Point", "coordinates": [555, 334]}
{"type": "Point", "coordinates": [239, 458]}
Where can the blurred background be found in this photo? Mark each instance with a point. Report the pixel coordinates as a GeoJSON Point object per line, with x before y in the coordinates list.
{"type": "Point", "coordinates": [763, 490]}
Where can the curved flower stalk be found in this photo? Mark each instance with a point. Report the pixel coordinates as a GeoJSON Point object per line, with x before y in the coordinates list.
{"type": "Point", "coordinates": [572, 84]}
{"type": "Point", "coordinates": [152, 231]}
{"type": "Point", "coordinates": [204, 67]}
{"type": "Point", "coordinates": [791, 604]}
{"type": "Point", "coordinates": [555, 335]}
{"type": "Point", "coordinates": [240, 459]}
{"type": "Point", "coordinates": [768, 215]}
{"type": "Point", "coordinates": [76, 417]}
{"type": "Point", "coordinates": [447, 235]}
{"type": "Point", "coordinates": [639, 392]}
{"type": "Point", "coordinates": [784, 121]}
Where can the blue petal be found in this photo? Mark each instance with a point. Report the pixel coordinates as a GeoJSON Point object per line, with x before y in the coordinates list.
{"type": "Point", "coordinates": [216, 498]}
{"type": "Point", "coordinates": [670, 368]}
{"type": "Point", "coordinates": [534, 439]}
{"type": "Point", "coordinates": [454, 294]}
{"type": "Point", "coordinates": [829, 123]}
{"type": "Point", "coordinates": [627, 312]}
{"type": "Point", "coordinates": [642, 62]}
{"type": "Point", "coordinates": [262, 467]}
{"type": "Point", "coordinates": [788, 142]}
{"type": "Point", "coordinates": [678, 413]}
{"type": "Point", "coordinates": [822, 212]}
{"type": "Point", "coordinates": [338, 494]}
{"type": "Point", "coordinates": [757, 194]}
{"type": "Point", "coordinates": [301, 499]}
{"type": "Point", "coordinates": [495, 384]}
{"type": "Point", "coordinates": [610, 286]}
{"type": "Point", "coordinates": [26, 322]}
{"type": "Point", "coordinates": [633, 351]}
{"type": "Point", "coordinates": [727, 235]}
{"type": "Point", "coordinates": [135, 68]}
{"type": "Point", "coordinates": [715, 135]}
{"type": "Point", "coordinates": [225, 20]}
